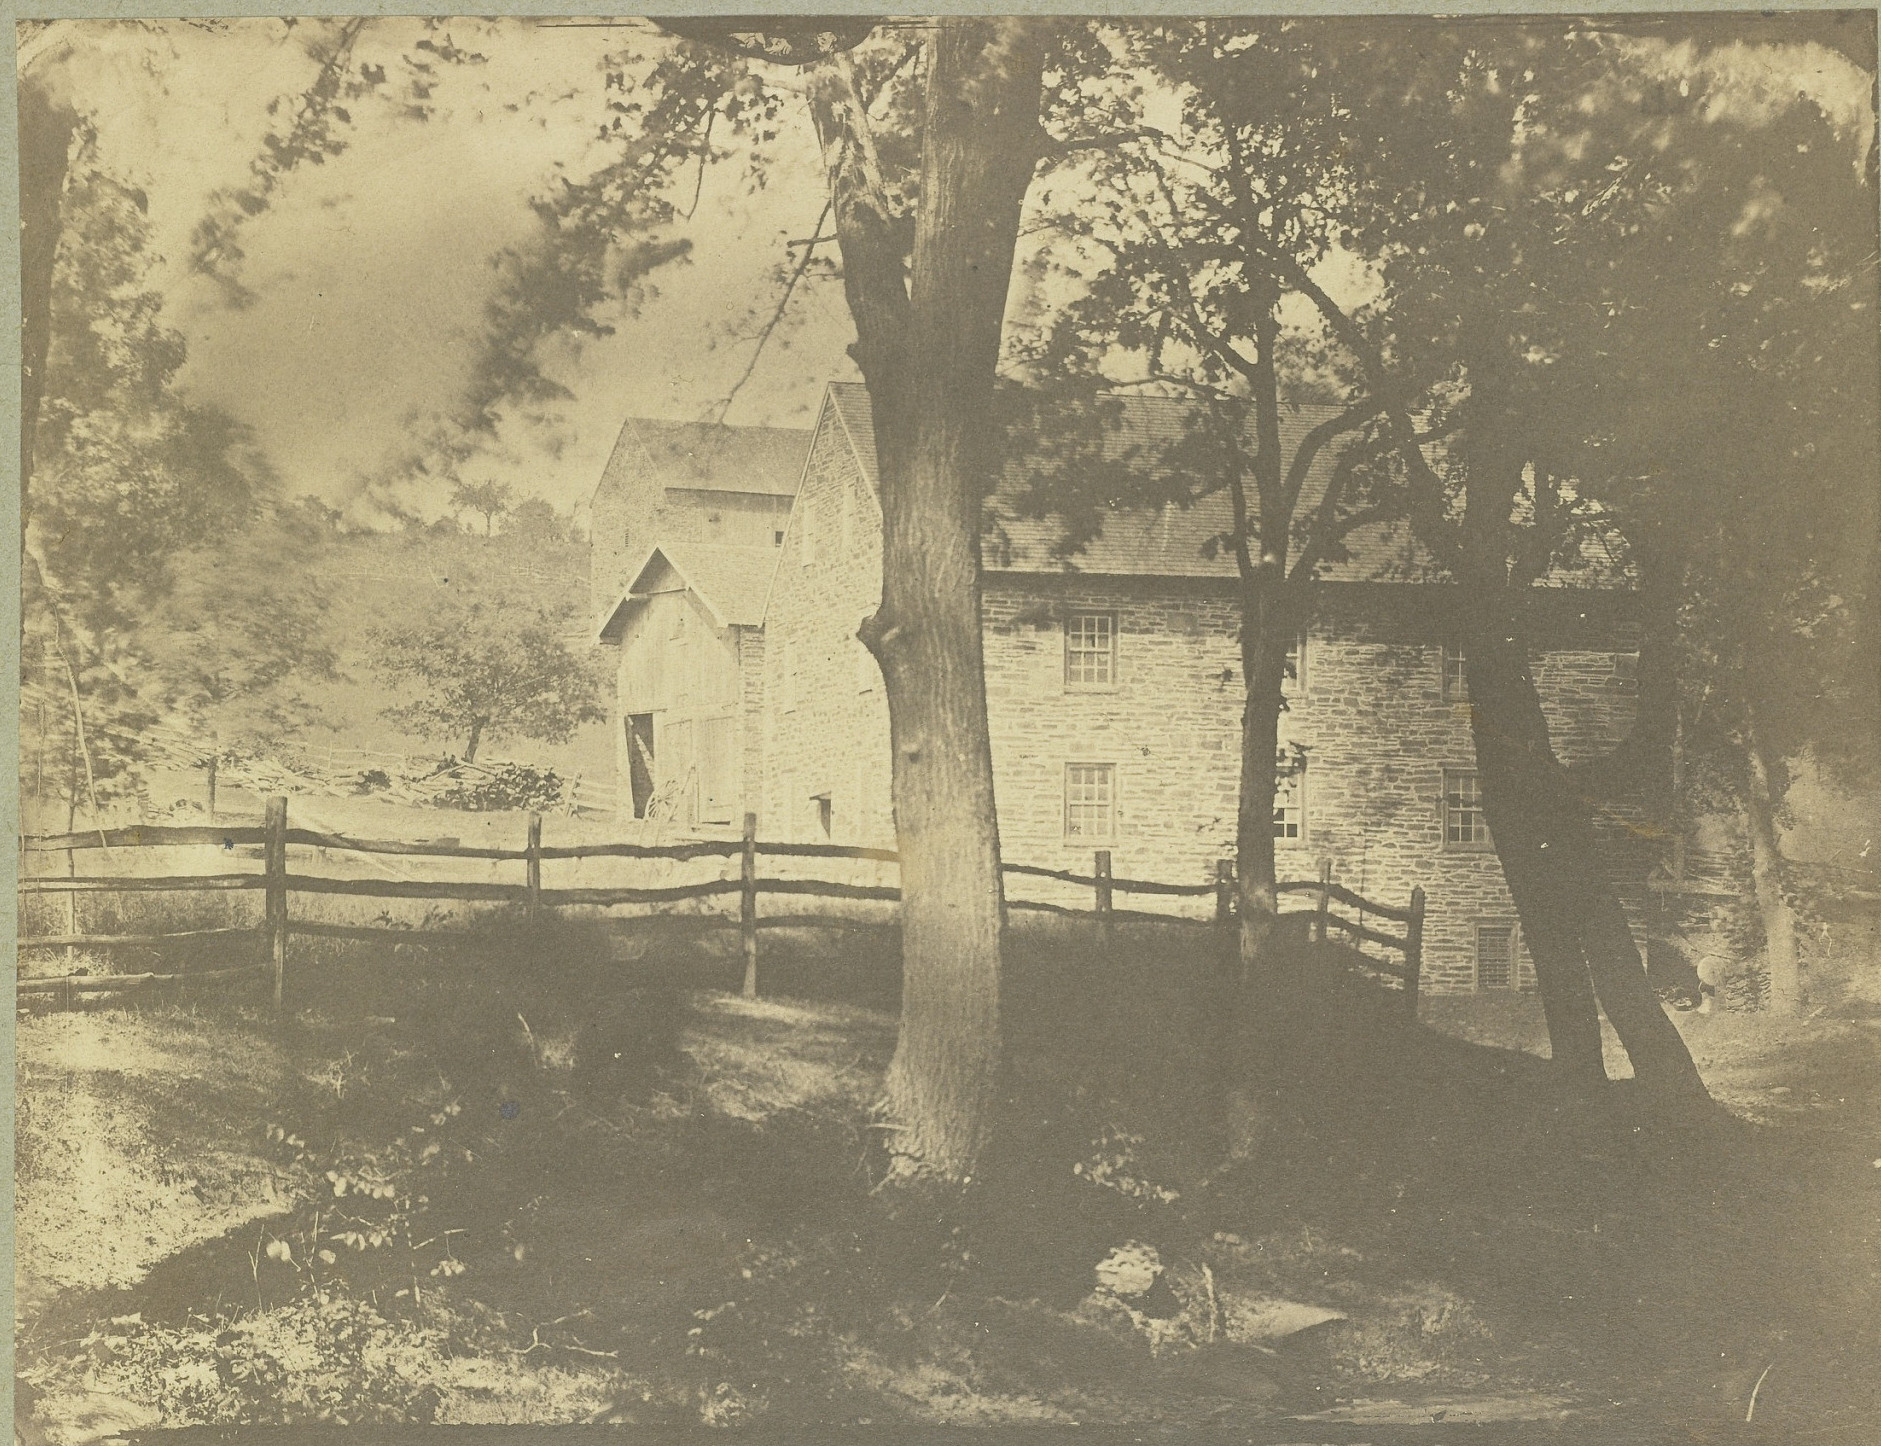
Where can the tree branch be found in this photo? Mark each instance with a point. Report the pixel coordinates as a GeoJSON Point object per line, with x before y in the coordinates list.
{"type": "Point", "coordinates": [790, 287]}
{"type": "Point", "coordinates": [1053, 149]}
{"type": "Point", "coordinates": [1314, 441]}
{"type": "Point", "coordinates": [1427, 504]}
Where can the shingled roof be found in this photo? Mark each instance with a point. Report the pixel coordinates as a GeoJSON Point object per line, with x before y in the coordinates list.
{"type": "Point", "coordinates": [1171, 541]}
{"type": "Point", "coordinates": [708, 456]}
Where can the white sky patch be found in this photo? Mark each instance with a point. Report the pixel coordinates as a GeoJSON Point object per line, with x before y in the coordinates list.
{"type": "Point", "coordinates": [372, 271]}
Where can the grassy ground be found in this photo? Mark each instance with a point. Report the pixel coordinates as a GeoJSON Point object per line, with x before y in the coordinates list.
{"type": "Point", "coordinates": [535, 1182]}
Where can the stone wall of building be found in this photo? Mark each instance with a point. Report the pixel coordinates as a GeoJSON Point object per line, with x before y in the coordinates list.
{"type": "Point", "coordinates": [1368, 712]}
{"type": "Point", "coordinates": [825, 718]}
{"type": "Point", "coordinates": [632, 510]}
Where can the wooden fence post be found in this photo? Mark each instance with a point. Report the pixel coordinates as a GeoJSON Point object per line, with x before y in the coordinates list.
{"type": "Point", "coordinates": [71, 912]}
{"type": "Point", "coordinates": [748, 904]}
{"type": "Point", "coordinates": [275, 857]}
{"type": "Point", "coordinates": [1414, 949]}
{"type": "Point", "coordinates": [1224, 892]}
{"type": "Point", "coordinates": [532, 905]}
{"type": "Point", "coordinates": [1101, 868]}
{"type": "Point", "coordinates": [1325, 901]}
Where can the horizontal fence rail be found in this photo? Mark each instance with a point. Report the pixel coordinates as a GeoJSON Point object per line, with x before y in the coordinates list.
{"type": "Point", "coordinates": [275, 838]}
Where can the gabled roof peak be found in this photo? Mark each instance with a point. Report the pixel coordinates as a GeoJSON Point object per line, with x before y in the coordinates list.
{"type": "Point", "coordinates": [730, 580]}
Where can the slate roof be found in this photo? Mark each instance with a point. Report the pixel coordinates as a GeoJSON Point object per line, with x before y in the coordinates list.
{"type": "Point", "coordinates": [732, 582]}
{"type": "Point", "coordinates": [1172, 541]}
{"type": "Point", "coordinates": [1152, 542]}
{"type": "Point", "coordinates": [710, 457]}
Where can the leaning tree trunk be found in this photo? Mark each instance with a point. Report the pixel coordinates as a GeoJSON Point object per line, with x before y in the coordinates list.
{"type": "Point", "coordinates": [1571, 916]}
{"type": "Point", "coordinates": [928, 356]}
{"type": "Point", "coordinates": [1514, 762]}
{"type": "Point", "coordinates": [1766, 874]}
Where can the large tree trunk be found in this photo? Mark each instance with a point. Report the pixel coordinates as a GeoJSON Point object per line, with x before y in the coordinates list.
{"type": "Point", "coordinates": [1264, 638]}
{"type": "Point", "coordinates": [928, 357]}
{"type": "Point", "coordinates": [1571, 915]}
{"type": "Point", "coordinates": [1242, 1009]}
{"type": "Point", "coordinates": [1530, 825]}
{"type": "Point", "coordinates": [45, 138]}
{"type": "Point", "coordinates": [1766, 874]}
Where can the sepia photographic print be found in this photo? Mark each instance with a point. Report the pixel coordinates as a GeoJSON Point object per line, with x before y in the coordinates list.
{"type": "Point", "coordinates": [759, 727]}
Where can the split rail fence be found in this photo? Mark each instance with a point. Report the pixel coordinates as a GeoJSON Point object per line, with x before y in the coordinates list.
{"type": "Point", "coordinates": [278, 885]}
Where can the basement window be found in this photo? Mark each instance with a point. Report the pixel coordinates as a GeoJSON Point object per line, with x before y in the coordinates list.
{"type": "Point", "coordinates": [1497, 945]}
{"type": "Point", "coordinates": [1290, 803]}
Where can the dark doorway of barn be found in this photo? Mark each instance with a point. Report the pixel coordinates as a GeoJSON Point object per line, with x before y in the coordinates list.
{"type": "Point", "coordinates": [640, 760]}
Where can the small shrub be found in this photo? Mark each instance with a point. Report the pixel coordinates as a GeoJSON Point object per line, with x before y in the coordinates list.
{"type": "Point", "coordinates": [323, 1358]}
{"type": "Point", "coordinates": [502, 786]}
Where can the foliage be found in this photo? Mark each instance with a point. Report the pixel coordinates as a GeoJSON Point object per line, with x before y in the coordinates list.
{"type": "Point", "coordinates": [484, 658]}
{"type": "Point", "coordinates": [325, 1357]}
{"type": "Point", "coordinates": [601, 237]}
{"type": "Point", "coordinates": [489, 500]}
{"type": "Point", "coordinates": [499, 786]}
{"type": "Point", "coordinates": [1641, 270]}
{"type": "Point", "coordinates": [242, 631]}
{"type": "Point", "coordinates": [534, 522]}
{"type": "Point", "coordinates": [151, 590]}
{"type": "Point", "coordinates": [311, 126]}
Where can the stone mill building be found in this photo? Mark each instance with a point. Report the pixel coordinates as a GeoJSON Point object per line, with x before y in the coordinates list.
{"type": "Point", "coordinates": [736, 564]}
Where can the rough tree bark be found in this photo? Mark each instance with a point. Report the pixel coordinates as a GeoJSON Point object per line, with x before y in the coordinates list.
{"type": "Point", "coordinates": [927, 349]}
{"type": "Point", "coordinates": [1570, 914]}
{"type": "Point", "coordinates": [1542, 822]}
{"type": "Point", "coordinates": [45, 138]}
{"type": "Point", "coordinates": [1267, 623]}
{"type": "Point", "coordinates": [1514, 763]}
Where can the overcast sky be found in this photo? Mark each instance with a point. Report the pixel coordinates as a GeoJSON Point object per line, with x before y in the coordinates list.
{"type": "Point", "coordinates": [372, 271]}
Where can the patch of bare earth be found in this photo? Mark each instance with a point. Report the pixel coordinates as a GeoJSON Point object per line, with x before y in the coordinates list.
{"type": "Point", "coordinates": [137, 1136]}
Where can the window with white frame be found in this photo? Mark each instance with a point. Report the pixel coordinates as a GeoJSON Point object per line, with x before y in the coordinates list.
{"type": "Point", "coordinates": [1090, 650]}
{"type": "Point", "coordinates": [1290, 799]}
{"type": "Point", "coordinates": [1090, 800]}
{"type": "Point", "coordinates": [1464, 825]}
{"type": "Point", "coordinates": [1295, 680]}
{"type": "Point", "coordinates": [1456, 679]}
